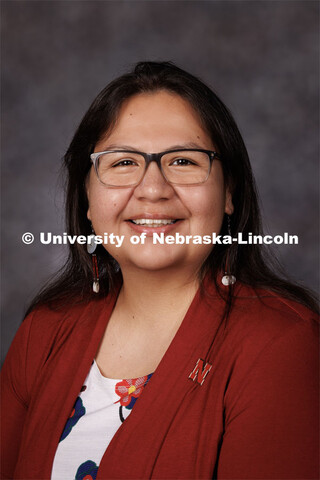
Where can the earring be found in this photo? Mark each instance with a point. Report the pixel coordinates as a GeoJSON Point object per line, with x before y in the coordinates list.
{"type": "Point", "coordinates": [91, 247]}
{"type": "Point", "coordinates": [228, 278]}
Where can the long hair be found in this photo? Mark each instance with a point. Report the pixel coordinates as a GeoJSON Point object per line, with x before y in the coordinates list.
{"type": "Point", "coordinates": [250, 264]}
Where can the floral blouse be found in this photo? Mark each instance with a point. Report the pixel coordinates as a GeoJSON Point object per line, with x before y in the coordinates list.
{"type": "Point", "coordinates": [99, 410]}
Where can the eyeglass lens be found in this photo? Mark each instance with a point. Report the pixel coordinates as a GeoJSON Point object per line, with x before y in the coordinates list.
{"type": "Point", "coordinates": [124, 168]}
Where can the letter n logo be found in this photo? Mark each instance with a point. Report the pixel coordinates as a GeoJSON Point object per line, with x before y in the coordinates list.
{"type": "Point", "coordinates": [200, 371]}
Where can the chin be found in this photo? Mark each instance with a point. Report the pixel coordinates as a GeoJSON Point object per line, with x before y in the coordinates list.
{"type": "Point", "coordinates": [156, 259]}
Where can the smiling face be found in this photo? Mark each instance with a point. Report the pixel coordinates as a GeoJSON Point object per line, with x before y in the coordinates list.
{"type": "Point", "coordinates": [156, 122]}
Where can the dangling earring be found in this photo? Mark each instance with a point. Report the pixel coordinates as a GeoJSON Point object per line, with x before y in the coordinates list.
{"type": "Point", "coordinates": [91, 247]}
{"type": "Point", "coordinates": [228, 278]}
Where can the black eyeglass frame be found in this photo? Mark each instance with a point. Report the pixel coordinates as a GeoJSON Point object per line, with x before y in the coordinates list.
{"type": "Point", "coordinates": [154, 157]}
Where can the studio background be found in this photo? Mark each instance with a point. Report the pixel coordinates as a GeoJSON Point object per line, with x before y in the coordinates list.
{"type": "Point", "coordinates": [261, 57]}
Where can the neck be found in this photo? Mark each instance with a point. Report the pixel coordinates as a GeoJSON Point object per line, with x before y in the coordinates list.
{"type": "Point", "coordinates": [159, 297]}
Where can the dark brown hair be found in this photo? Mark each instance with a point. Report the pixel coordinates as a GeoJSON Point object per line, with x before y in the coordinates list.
{"type": "Point", "coordinates": [251, 265]}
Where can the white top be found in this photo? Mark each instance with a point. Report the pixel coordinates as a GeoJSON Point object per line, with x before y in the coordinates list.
{"type": "Point", "coordinates": [101, 407]}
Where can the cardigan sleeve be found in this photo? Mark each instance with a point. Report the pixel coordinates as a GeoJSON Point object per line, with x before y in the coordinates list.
{"type": "Point", "coordinates": [271, 414]}
{"type": "Point", "coordinates": [14, 399]}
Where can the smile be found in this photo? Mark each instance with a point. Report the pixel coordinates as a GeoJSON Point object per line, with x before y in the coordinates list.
{"type": "Point", "coordinates": [152, 222]}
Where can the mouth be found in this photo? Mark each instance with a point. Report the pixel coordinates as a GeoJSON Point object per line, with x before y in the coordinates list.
{"type": "Point", "coordinates": [153, 222]}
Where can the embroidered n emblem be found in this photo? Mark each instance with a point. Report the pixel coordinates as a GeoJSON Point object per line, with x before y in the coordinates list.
{"type": "Point", "coordinates": [200, 372]}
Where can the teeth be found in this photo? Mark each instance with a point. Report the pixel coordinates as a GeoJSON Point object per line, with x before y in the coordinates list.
{"type": "Point", "coordinates": [152, 222]}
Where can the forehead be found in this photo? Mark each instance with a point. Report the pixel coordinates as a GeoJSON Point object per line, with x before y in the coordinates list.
{"type": "Point", "coordinates": [160, 118]}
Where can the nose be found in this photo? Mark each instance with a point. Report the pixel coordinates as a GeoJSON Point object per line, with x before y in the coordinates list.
{"type": "Point", "coordinates": [153, 185]}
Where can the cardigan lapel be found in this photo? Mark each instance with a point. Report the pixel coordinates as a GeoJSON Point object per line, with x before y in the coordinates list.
{"type": "Point", "coordinates": [133, 450]}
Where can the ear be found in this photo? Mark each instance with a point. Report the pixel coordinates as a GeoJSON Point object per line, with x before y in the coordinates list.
{"type": "Point", "coordinates": [229, 208]}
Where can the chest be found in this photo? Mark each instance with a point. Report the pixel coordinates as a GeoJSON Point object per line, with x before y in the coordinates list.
{"type": "Point", "coordinates": [133, 351]}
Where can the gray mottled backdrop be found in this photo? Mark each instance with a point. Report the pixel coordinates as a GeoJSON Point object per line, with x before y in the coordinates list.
{"type": "Point", "coordinates": [261, 57]}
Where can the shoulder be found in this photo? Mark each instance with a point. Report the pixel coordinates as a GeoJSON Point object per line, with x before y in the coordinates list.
{"type": "Point", "coordinates": [268, 336]}
{"type": "Point", "coordinates": [264, 331]}
{"type": "Point", "coordinates": [258, 316]}
{"type": "Point", "coordinates": [268, 315]}
{"type": "Point", "coordinates": [47, 325]}
{"type": "Point", "coordinates": [48, 320]}
{"type": "Point", "coordinates": [43, 333]}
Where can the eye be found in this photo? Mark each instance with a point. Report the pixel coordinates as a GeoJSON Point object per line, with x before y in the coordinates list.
{"type": "Point", "coordinates": [182, 162]}
{"type": "Point", "coordinates": [126, 162]}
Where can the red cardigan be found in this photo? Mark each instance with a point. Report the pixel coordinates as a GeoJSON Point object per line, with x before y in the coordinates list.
{"type": "Point", "coordinates": [248, 411]}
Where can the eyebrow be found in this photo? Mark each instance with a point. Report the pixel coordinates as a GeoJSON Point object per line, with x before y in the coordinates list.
{"type": "Point", "coordinates": [171, 147]}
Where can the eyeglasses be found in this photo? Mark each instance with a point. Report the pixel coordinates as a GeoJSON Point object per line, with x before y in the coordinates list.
{"type": "Point", "coordinates": [126, 168]}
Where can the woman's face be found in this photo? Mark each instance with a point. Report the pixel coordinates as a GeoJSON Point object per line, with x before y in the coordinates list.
{"type": "Point", "coordinates": [151, 123]}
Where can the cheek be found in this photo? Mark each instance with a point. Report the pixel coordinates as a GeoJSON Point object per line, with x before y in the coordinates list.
{"type": "Point", "coordinates": [105, 206]}
{"type": "Point", "coordinates": [206, 205]}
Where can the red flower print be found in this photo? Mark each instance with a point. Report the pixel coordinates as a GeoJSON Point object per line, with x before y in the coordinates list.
{"type": "Point", "coordinates": [126, 389]}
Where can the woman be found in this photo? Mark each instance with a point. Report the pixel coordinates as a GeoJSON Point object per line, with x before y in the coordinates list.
{"type": "Point", "coordinates": [216, 354]}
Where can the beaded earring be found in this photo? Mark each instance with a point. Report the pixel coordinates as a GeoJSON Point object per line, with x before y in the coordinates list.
{"type": "Point", "coordinates": [228, 278]}
{"type": "Point", "coordinates": [91, 247]}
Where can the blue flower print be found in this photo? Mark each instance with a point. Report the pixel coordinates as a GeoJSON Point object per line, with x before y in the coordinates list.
{"type": "Point", "coordinates": [77, 412]}
{"type": "Point", "coordinates": [87, 471]}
